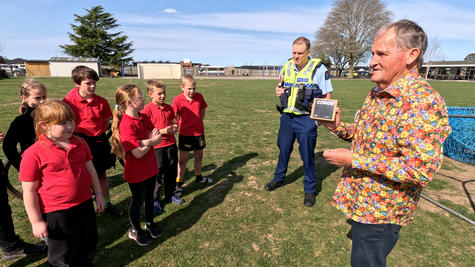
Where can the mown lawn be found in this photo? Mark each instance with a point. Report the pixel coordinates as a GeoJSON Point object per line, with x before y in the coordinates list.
{"type": "Point", "coordinates": [234, 221]}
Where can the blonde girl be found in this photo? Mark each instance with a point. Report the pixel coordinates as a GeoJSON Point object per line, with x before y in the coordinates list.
{"type": "Point", "coordinates": [21, 130]}
{"type": "Point", "coordinates": [133, 138]}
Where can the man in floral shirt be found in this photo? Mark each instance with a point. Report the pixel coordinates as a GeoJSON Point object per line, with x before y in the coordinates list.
{"type": "Point", "coordinates": [396, 147]}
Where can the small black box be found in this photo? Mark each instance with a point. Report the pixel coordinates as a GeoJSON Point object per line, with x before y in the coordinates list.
{"type": "Point", "coordinates": [324, 109]}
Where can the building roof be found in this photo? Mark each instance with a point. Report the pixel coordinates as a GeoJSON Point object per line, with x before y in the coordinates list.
{"type": "Point", "coordinates": [460, 63]}
{"type": "Point", "coordinates": [73, 59]}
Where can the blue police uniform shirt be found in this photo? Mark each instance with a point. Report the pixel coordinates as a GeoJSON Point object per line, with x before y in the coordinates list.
{"type": "Point", "coordinates": [321, 78]}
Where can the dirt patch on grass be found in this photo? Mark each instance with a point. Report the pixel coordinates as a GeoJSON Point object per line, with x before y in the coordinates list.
{"type": "Point", "coordinates": [455, 176]}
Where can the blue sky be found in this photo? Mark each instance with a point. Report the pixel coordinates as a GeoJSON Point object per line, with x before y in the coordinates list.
{"type": "Point", "coordinates": [216, 32]}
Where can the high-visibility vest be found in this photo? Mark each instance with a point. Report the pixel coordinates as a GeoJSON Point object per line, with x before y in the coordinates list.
{"type": "Point", "coordinates": [297, 101]}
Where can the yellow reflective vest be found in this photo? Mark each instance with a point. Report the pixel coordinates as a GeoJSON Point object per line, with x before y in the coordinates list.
{"type": "Point", "coordinates": [299, 88]}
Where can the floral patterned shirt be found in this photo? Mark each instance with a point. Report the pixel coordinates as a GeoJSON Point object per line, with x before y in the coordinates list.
{"type": "Point", "coordinates": [397, 143]}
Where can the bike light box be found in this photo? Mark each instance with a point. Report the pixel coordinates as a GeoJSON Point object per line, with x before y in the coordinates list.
{"type": "Point", "coordinates": [324, 109]}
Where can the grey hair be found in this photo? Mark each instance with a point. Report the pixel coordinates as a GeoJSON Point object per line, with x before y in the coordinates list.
{"type": "Point", "coordinates": [408, 35]}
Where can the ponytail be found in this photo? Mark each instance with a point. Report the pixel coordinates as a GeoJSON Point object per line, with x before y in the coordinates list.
{"type": "Point", "coordinates": [117, 148]}
{"type": "Point", "coordinates": [23, 107]}
{"type": "Point", "coordinates": [122, 95]}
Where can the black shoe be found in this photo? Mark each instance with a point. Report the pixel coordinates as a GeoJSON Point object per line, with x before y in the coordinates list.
{"type": "Point", "coordinates": [142, 238]}
{"type": "Point", "coordinates": [153, 230]}
{"type": "Point", "coordinates": [273, 185]}
{"type": "Point", "coordinates": [309, 200]}
{"type": "Point", "coordinates": [23, 249]}
{"type": "Point", "coordinates": [112, 210]}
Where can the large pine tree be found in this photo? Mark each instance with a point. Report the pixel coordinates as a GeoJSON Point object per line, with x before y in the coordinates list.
{"type": "Point", "coordinates": [92, 38]}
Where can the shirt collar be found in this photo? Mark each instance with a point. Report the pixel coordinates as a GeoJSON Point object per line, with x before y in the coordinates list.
{"type": "Point", "coordinates": [79, 98]}
{"type": "Point", "coordinates": [295, 66]}
{"type": "Point", "coordinates": [124, 115]}
{"type": "Point", "coordinates": [158, 106]}
{"type": "Point", "coordinates": [397, 87]}
{"type": "Point", "coordinates": [73, 142]}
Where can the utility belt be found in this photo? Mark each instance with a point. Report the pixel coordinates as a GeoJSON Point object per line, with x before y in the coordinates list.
{"type": "Point", "coordinates": [292, 115]}
{"type": "Point", "coordinates": [304, 98]}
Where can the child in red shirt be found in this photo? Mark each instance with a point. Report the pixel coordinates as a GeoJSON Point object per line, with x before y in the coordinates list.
{"type": "Point", "coordinates": [133, 137]}
{"type": "Point", "coordinates": [189, 107]}
{"type": "Point", "coordinates": [92, 114]}
{"type": "Point", "coordinates": [57, 175]}
{"type": "Point", "coordinates": [166, 152]}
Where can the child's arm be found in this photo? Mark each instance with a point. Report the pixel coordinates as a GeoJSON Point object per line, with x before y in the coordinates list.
{"type": "Point", "coordinates": [203, 113]}
{"type": "Point", "coordinates": [12, 139]}
{"type": "Point", "coordinates": [146, 144]}
{"type": "Point", "coordinates": [96, 186]}
{"type": "Point", "coordinates": [32, 207]}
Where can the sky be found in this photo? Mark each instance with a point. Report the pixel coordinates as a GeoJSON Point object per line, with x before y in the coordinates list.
{"type": "Point", "coordinates": [222, 33]}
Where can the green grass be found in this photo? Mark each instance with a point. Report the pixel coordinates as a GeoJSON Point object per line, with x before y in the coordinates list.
{"type": "Point", "coordinates": [234, 221]}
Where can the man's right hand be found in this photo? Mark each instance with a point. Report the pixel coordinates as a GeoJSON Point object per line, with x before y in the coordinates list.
{"type": "Point", "coordinates": [332, 125]}
{"type": "Point", "coordinates": [279, 90]}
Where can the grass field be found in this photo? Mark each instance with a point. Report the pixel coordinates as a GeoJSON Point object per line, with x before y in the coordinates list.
{"type": "Point", "coordinates": [234, 222]}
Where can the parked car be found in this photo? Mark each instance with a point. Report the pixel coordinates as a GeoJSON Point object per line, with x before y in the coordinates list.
{"type": "Point", "coordinates": [13, 70]}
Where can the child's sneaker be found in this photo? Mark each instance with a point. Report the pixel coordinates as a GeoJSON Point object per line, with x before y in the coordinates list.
{"type": "Point", "coordinates": [177, 200]}
{"type": "Point", "coordinates": [204, 180]}
{"type": "Point", "coordinates": [142, 238]}
{"type": "Point", "coordinates": [157, 209]}
{"type": "Point", "coordinates": [178, 192]}
{"type": "Point", "coordinates": [153, 230]}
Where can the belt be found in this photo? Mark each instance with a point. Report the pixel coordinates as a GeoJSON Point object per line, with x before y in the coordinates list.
{"type": "Point", "coordinates": [292, 115]}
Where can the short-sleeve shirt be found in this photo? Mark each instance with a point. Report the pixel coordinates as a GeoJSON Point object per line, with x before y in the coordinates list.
{"type": "Point", "coordinates": [91, 118]}
{"type": "Point", "coordinates": [322, 78]}
{"type": "Point", "coordinates": [131, 131]}
{"type": "Point", "coordinates": [190, 121]}
{"type": "Point", "coordinates": [64, 180]}
{"type": "Point", "coordinates": [161, 117]}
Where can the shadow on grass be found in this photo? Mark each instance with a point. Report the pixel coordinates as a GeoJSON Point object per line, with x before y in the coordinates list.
{"type": "Point", "coordinates": [27, 260]}
{"type": "Point", "coordinates": [177, 222]}
{"type": "Point", "coordinates": [323, 169]}
{"type": "Point", "coordinates": [218, 173]}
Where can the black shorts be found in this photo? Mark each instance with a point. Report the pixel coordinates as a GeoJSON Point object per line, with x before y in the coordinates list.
{"type": "Point", "coordinates": [189, 143]}
{"type": "Point", "coordinates": [102, 158]}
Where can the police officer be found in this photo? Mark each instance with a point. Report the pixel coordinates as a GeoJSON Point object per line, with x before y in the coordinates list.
{"type": "Point", "coordinates": [302, 79]}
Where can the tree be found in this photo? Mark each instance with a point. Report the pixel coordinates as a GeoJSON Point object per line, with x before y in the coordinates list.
{"type": "Point", "coordinates": [347, 34]}
{"type": "Point", "coordinates": [92, 38]}
{"type": "Point", "coordinates": [470, 57]}
{"type": "Point", "coordinates": [432, 53]}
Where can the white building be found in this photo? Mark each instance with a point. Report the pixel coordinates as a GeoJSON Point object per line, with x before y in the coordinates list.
{"type": "Point", "coordinates": [62, 66]}
{"type": "Point", "coordinates": [159, 70]}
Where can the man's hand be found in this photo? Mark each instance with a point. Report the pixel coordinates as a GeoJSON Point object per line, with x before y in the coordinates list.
{"type": "Point", "coordinates": [340, 157]}
{"type": "Point", "coordinates": [332, 125]}
{"type": "Point", "coordinates": [279, 90]}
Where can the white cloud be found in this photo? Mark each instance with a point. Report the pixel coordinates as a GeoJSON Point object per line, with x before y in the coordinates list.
{"type": "Point", "coordinates": [170, 10]}
{"type": "Point", "coordinates": [286, 21]}
{"type": "Point", "coordinates": [206, 46]}
{"type": "Point", "coordinates": [448, 21]}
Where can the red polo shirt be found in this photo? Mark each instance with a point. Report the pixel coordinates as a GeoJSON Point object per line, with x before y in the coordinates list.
{"type": "Point", "coordinates": [161, 117]}
{"type": "Point", "coordinates": [64, 179]}
{"type": "Point", "coordinates": [190, 122]}
{"type": "Point", "coordinates": [91, 118]}
{"type": "Point", "coordinates": [131, 131]}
